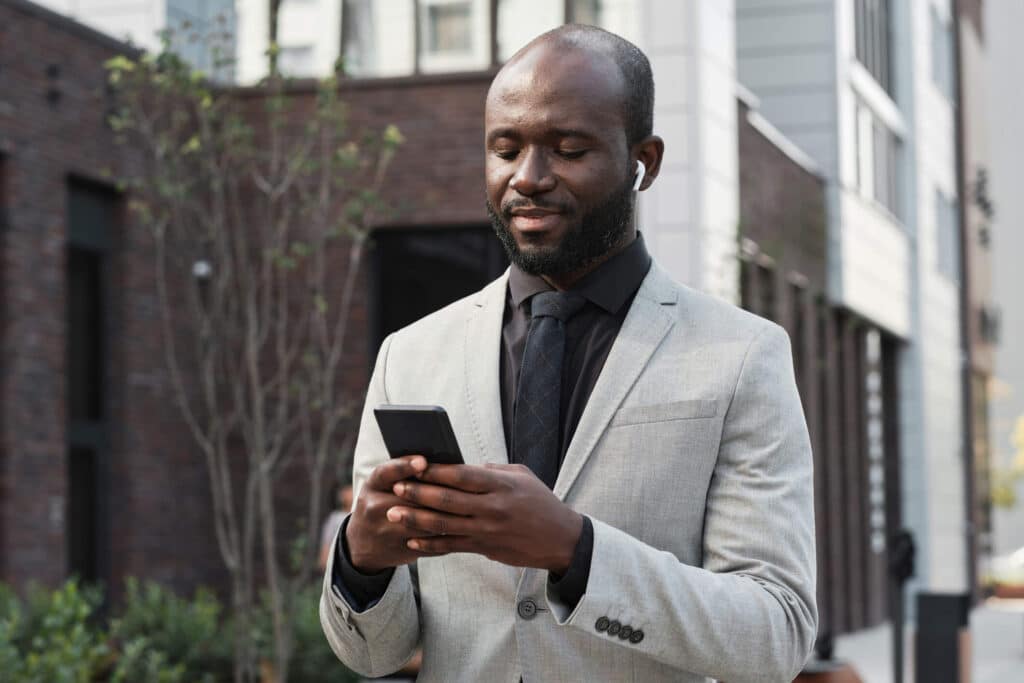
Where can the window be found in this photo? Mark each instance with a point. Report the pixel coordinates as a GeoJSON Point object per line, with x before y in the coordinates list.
{"type": "Point", "coordinates": [454, 35]}
{"type": "Point", "coordinates": [943, 67]}
{"type": "Point", "coordinates": [947, 236]}
{"type": "Point", "coordinates": [377, 38]}
{"type": "Point", "coordinates": [520, 21]}
{"type": "Point", "coordinates": [886, 158]}
{"type": "Point", "coordinates": [874, 39]}
{"type": "Point", "coordinates": [878, 160]}
{"type": "Point", "coordinates": [584, 12]}
{"type": "Point", "coordinates": [296, 61]}
{"type": "Point", "coordinates": [403, 37]}
{"type": "Point", "coordinates": [91, 213]}
{"type": "Point", "coordinates": [450, 28]}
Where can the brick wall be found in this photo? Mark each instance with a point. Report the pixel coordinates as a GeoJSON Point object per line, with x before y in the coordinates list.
{"type": "Point", "coordinates": [437, 178]}
{"type": "Point", "coordinates": [782, 205]}
{"type": "Point", "coordinates": [53, 101]}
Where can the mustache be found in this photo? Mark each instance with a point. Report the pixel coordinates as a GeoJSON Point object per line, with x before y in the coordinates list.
{"type": "Point", "coordinates": [522, 203]}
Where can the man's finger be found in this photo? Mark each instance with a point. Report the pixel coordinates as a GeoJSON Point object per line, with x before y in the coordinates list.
{"type": "Point", "coordinates": [443, 498]}
{"type": "Point", "coordinates": [442, 545]}
{"type": "Point", "coordinates": [469, 478]}
{"type": "Point", "coordinates": [431, 522]}
{"type": "Point", "coordinates": [384, 475]}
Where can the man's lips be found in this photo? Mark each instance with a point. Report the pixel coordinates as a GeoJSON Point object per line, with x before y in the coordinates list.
{"type": "Point", "coordinates": [535, 222]}
{"type": "Point", "coordinates": [534, 219]}
{"type": "Point", "coordinates": [533, 213]}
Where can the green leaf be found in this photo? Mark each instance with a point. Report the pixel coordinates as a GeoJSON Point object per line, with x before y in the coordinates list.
{"type": "Point", "coordinates": [392, 136]}
{"type": "Point", "coordinates": [191, 145]}
{"type": "Point", "coordinates": [119, 63]}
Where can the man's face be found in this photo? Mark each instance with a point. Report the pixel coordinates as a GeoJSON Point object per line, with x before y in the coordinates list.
{"type": "Point", "coordinates": [558, 170]}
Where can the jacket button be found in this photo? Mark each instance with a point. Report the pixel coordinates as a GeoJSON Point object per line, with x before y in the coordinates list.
{"type": "Point", "coordinates": [527, 609]}
{"type": "Point", "coordinates": [602, 624]}
{"type": "Point", "coordinates": [636, 636]}
{"type": "Point", "coordinates": [614, 628]}
{"type": "Point", "coordinates": [626, 632]}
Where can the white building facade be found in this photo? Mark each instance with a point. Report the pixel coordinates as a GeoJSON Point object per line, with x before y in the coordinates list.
{"type": "Point", "coordinates": [192, 24]}
{"type": "Point", "coordinates": [866, 88]}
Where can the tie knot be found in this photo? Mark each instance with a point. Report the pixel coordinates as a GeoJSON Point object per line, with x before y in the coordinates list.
{"type": "Point", "coordinates": [560, 305]}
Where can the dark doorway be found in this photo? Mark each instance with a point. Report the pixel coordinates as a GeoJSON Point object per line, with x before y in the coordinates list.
{"type": "Point", "coordinates": [92, 213]}
{"type": "Point", "coordinates": [416, 271]}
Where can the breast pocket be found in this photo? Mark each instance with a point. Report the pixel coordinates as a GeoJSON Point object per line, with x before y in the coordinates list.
{"type": "Point", "coordinates": [692, 409]}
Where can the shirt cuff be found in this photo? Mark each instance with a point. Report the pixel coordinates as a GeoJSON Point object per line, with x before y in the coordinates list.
{"type": "Point", "coordinates": [361, 591]}
{"type": "Point", "coordinates": [570, 587]}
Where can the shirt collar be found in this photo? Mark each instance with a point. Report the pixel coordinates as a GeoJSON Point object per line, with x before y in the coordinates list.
{"type": "Point", "coordinates": [608, 286]}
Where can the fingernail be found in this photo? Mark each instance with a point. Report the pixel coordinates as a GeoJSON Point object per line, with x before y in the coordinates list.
{"type": "Point", "coordinates": [399, 489]}
{"type": "Point", "coordinates": [419, 463]}
{"type": "Point", "coordinates": [394, 515]}
{"type": "Point", "coordinates": [414, 544]}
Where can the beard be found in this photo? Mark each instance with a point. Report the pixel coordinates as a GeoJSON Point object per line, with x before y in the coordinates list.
{"type": "Point", "coordinates": [593, 235]}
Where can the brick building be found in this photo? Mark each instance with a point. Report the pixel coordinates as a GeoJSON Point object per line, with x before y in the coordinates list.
{"type": "Point", "coordinates": [98, 475]}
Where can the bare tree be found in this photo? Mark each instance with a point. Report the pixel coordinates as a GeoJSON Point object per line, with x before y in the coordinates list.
{"type": "Point", "coordinates": [258, 206]}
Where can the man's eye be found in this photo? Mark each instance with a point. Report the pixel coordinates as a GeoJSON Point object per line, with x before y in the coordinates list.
{"type": "Point", "coordinates": [506, 154]}
{"type": "Point", "coordinates": [571, 153]}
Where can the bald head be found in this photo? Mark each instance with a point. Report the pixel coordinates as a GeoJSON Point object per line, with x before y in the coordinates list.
{"type": "Point", "coordinates": [600, 49]}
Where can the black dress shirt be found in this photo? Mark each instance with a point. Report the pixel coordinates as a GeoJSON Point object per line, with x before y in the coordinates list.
{"type": "Point", "coordinates": [609, 291]}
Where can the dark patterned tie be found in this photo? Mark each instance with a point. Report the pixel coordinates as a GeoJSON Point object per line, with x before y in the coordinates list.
{"type": "Point", "coordinates": [535, 440]}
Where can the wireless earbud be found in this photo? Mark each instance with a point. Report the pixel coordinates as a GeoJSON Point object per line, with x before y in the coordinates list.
{"type": "Point", "coordinates": [641, 171]}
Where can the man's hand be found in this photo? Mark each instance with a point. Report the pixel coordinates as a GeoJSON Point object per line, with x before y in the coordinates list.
{"type": "Point", "coordinates": [503, 512]}
{"type": "Point", "coordinates": [374, 543]}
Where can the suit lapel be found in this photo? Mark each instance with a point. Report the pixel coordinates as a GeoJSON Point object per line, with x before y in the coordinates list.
{"type": "Point", "coordinates": [482, 366]}
{"type": "Point", "coordinates": [646, 324]}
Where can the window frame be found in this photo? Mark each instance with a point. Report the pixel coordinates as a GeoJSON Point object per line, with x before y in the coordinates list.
{"type": "Point", "coordinates": [419, 69]}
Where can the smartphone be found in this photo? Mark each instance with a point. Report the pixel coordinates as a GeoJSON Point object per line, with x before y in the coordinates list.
{"type": "Point", "coordinates": [423, 430]}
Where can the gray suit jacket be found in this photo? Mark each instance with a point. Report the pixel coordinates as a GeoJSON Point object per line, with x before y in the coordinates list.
{"type": "Point", "coordinates": [691, 458]}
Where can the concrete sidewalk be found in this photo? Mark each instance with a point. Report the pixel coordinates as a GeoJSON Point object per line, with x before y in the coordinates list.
{"type": "Point", "coordinates": [997, 643]}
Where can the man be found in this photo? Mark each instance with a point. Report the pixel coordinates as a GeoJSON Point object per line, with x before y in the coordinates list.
{"type": "Point", "coordinates": [636, 503]}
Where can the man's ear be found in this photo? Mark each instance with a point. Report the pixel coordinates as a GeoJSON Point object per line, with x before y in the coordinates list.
{"type": "Point", "coordinates": [650, 150]}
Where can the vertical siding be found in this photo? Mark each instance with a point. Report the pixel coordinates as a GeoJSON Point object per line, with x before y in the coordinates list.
{"type": "Point", "coordinates": [691, 214]}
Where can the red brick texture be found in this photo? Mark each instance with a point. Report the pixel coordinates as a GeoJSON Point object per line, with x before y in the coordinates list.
{"type": "Point", "coordinates": [53, 102]}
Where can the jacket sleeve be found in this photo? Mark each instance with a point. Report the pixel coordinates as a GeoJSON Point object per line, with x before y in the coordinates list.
{"type": "Point", "coordinates": [381, 639]}
{"type": "Point", "coordinates": [749, 613]}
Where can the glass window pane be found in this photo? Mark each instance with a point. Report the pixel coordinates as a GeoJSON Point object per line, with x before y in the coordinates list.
{"type": "Point", "coordinates": [378, 38]}
{"type": "Point", "coordinates": [85, 319]}
{"type": "Point", "coordinates": [455, 35]}
{"type": "Point", "coordinates": [296, 61]}
{"type": "Point", "coordinates": [520, 21]}
{"type": "Point", "coordinates": [873, 38]}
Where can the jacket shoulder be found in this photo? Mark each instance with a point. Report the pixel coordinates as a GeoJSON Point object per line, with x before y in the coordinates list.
{"type": "Point", "coordinates": [704, 317]}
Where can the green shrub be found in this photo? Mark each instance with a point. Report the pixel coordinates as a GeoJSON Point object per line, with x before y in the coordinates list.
{"type": "Point", "coordinates": [139, 661]}
{"type": "Point", "coordinates": [312, 660]}
{"type": "Point", "coordinates": [157, 625]}
{"type": "Point", "coordinates": [49, 638]}
{"type": "Point", "coordinates": [54, 636]}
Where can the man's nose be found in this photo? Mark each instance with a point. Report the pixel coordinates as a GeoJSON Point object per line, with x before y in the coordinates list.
{"type": "Point", "coordinates": [533, 176]}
